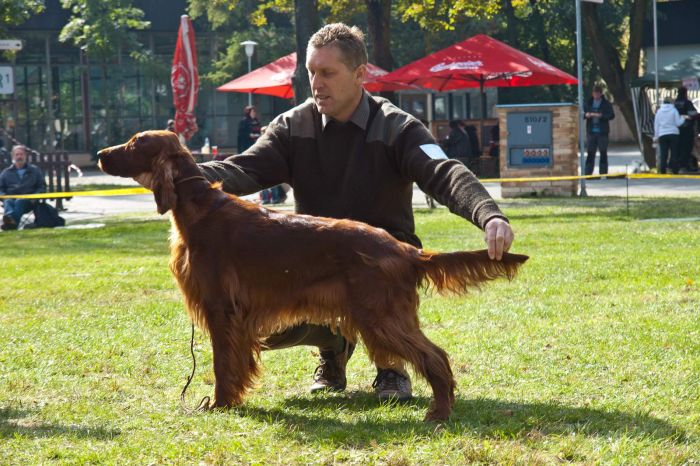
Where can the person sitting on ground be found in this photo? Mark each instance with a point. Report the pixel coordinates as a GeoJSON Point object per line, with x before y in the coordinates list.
{"type": "Point", "coordinates": [19, 178]}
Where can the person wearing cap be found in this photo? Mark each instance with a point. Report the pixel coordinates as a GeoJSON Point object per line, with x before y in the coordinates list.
{"type": "Point", "coordinates": [666, 123]}
{"type": "Point", "coordinates": [598, 112]}
{"type": "Point", "coordinates": [19, 178]}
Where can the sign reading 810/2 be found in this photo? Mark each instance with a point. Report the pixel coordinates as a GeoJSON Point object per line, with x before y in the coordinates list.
{"type": "Point", "coordinates": [7, 82]}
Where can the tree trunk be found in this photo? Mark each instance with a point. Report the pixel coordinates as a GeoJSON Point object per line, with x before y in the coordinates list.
{"type": "Point", "coordinates": [307, 23]}
{"type": "Point", "coordinates": [608, 60]}
{"type": "Point", "coordinates": [540, 25]}
{"type": "Point", "coordinates": [379, 27]}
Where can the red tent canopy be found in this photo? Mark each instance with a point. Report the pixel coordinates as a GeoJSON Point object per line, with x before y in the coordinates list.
{"type": "Point", "coordinates": [276, 79]}
{"type": "Point", "coordinates": [478, 62]}
{"type": "Point", "coordinates": [185, 79]}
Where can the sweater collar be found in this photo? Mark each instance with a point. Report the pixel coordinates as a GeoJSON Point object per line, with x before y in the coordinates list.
{"type": "Point", "coordinates": [359, 117]}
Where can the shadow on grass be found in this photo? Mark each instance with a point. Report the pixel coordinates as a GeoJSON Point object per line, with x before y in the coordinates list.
{"type": "Point", "coordinates": [314, 419]}
{"type": "Point", "coordinates": [18, 422]}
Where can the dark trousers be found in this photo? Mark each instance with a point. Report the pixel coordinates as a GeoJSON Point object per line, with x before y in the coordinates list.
{"type": "Point", "coordinates": [685, 146]}
{"type": "Point", "coordinates": [15, 208]}
{"type": "Point", "coordinates": [597, 142]}
{"type": "Point", "coordinates": [309, 335]}
{"type": "Point", "coordinates": [666, 143]}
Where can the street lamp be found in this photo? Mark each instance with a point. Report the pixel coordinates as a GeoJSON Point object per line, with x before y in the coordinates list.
{"type": "Point", "coordinates": [249, 49]}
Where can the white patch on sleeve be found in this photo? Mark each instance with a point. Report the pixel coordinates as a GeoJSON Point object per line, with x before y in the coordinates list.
{"type": "Point", "coordinates": [433, 151]}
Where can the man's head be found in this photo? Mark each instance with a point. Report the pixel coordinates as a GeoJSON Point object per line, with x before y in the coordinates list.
{"type": "Point", "coordinates": [19, 156]}
{"type": "Point", "coordinates": [336, 59]}
{"type": "Point", "coordinates": [597, 92]}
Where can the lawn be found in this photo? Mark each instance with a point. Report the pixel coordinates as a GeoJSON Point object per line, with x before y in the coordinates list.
{"type": "Point", "coordinates": [591, 355]}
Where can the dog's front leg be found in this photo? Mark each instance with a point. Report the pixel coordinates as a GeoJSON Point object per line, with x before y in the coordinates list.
{"type": "Point", "coordinates": [234, 351]}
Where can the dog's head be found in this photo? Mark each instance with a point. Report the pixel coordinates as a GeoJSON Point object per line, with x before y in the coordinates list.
{"type": "Point", "coordinates": [148, 157]}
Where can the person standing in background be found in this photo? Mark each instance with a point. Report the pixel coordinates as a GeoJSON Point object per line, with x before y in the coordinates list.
{"type": "Point", "coordinates": [666, 123]}
{"type": "Point", "coordinates": [685, 136]}
{"type": "Point", "coordinates": [248, 129]}
{"type": "Point", "coordinates": [598, 112]}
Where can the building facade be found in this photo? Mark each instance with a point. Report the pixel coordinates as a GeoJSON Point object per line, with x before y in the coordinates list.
{"type": "Point", "coordinates": [65, 100]}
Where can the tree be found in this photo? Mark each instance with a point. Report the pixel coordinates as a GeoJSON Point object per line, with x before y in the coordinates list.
{"type": "Point", "coordinates": [609, 55]}
{"type": "Point", "coordinates": [306, 23]}
{"type": "Point", "coordinates": [102, 28]}
{"type": "Point", "coordinates": [13, 12]}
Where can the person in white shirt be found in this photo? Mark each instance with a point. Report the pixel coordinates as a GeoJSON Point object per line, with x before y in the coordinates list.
{"type": "Point", "coordinates": [666, 123]}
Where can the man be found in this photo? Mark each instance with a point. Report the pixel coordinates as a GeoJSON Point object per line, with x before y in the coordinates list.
{"type": "Point", "coordinates": [19, 178]}
{"type": "Point", "coordinates": [347, 154]}
{"type": "Point", "coordinates": [598, 113]}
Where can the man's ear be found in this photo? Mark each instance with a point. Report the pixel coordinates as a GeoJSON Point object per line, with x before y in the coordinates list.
{"type": "Point", "coordinates": [162, 183]}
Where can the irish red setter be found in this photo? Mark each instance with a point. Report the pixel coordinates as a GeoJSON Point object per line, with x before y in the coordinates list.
{"type": "Point", "coordinates": [247, 272]}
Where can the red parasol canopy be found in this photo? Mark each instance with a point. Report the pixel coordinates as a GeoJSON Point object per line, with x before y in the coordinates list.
{"type": "Point", "coordinates": [185, 79]}
{"type": "Point", "coordinates": [276, 79]}
{"type": "Point", "coordinates": [480, 61]}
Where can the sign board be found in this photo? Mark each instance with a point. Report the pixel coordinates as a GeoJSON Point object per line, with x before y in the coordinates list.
{"type": "Point", "coordinates": [10, 44]}
{"type": "Point", "coordinates": [7, 80]}
{"type": "Point", "coordinates": [529, 139]}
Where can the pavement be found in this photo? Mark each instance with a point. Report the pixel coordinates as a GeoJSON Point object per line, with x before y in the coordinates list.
{"type": "Point", "coordinates": [622, 158]}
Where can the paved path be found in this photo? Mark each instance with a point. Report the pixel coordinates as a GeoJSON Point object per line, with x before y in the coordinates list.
{"type": "Point", "coordinates": [621, 158]}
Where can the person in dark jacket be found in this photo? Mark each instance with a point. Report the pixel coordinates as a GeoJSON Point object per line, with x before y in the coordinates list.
{"type": "Point", "coordinates": [456, 143]}
{"type": "Point", "coordinates": [348, 154]}
{"type": "Point", "coordinates": [598, 112]}
{"type": "Point", "coordinates": [686, 135]}
{"type": "Point", "coordinates": [19, 178]}
{"type": "Point", "coordinates": [248, 129]}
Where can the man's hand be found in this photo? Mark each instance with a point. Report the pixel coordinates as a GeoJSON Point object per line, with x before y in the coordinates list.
{"type": "Point", "coordinates": [498, 236]}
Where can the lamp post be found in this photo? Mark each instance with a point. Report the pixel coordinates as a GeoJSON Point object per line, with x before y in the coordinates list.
{"type": "Point", "coordinates": [249, 49]}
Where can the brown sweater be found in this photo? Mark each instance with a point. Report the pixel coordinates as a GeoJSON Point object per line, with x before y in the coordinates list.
{"type": "Point", "coordinates": [362, 169]}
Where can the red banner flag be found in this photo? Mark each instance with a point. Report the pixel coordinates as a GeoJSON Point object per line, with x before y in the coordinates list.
{"type": "Point", "coordinates": [185, 79]}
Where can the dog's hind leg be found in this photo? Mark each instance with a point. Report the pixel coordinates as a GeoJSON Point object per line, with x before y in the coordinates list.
{"type": "Point", "coordinates": [235, 362]}
{"type": "Point", "coordinates": [391, 340]}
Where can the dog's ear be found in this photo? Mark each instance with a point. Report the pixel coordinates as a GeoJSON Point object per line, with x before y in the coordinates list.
{"type": "Point", "coordinates": [162, 183]}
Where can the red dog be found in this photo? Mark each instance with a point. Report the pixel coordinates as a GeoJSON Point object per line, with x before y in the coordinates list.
{"type": "Point", "coordinates": [248, 272]}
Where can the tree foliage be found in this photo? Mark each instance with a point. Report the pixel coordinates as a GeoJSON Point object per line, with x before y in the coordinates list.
{"type": "Point", "coordinates": [100, 27]}
{"type": "Point", "coordinates": [13, 12]}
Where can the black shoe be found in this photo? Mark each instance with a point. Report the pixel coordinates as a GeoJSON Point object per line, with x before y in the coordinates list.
{"type": "Point", "coordinates": [392, 385]}
{"type": "Point", "coordinates": [330, 373]}
{"type": "Point", "coordinates": [8, 223]}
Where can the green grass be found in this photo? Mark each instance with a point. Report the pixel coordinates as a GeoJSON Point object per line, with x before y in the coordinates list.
{"type": "Point", "coordinates": [592, 355]}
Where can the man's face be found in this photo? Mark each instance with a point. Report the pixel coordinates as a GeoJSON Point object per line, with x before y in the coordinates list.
{"type": "Point", "coordinates": [19, 158]}
{"type": "Point", "coordinates": [336, 89]}
{"type": "Point", "coordinates": [597, 95]}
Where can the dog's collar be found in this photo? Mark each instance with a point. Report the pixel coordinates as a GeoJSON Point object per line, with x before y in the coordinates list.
{"type": "Point", "coordinates": [190, 178]}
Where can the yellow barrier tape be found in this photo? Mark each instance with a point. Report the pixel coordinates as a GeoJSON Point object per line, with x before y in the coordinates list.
{"type": "Point", "coordinates": [134, 191]}
{"type": "Point", "coordinates": [104, 192]}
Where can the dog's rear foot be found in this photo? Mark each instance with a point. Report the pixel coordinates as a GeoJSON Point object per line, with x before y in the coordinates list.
{"type": "Point", "coordinates": [437, 414]}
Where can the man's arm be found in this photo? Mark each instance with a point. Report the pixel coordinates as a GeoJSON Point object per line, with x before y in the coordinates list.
{"type": "Point", "coordinates": [607, 111]}
{"type": "Point", "coordinates": [263, 165]}
{"type": "Point", "coordinates": [452, 185]}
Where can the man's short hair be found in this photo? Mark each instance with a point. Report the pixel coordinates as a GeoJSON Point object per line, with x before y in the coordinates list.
{"type": "Point", "coordinates": [19, 147]}
{"type": "Point", "coordinates": [349, 40]}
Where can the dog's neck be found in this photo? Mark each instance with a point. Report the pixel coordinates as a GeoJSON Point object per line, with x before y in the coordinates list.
{"type": "Point", "coordinates": [190, 184]}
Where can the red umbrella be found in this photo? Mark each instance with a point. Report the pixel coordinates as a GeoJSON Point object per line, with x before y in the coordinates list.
{"type": "Point", "coordinates": [478, 62]}
{"type": "Point", "coordinates": [185, 79]}
{"type": "Point", "coordinates": [276, 79]}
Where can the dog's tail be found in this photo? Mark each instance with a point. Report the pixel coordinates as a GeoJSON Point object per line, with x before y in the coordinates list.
{"type": "Point", "coordinates": [457, 272]}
